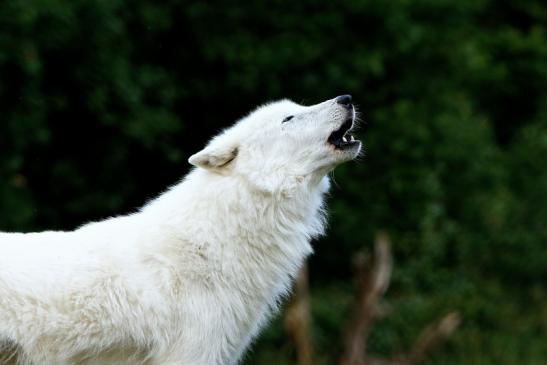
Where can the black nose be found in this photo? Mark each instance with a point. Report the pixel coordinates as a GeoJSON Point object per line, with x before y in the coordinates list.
{"type": "Point", "coordinates": [344, 100]}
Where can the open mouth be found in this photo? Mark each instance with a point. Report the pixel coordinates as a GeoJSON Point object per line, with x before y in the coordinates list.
{"type": "Point", "coordinates": [341, 138]}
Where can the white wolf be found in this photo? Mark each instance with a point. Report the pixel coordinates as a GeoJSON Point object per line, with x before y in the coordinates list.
{"type": "Point", "coordinates": [192, 276]}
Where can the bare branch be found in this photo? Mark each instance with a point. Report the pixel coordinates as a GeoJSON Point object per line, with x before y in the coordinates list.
{"type": "Point", "coordinates": [382, 264]}
{"type": "Point", "coordinates": [372, 280]}
{"type": "Point", "coordinates": [372, 277]}
{"type": "Point", "coordinates": [432, 336]}
{"type": "Point", "coordinates": [297, 319]}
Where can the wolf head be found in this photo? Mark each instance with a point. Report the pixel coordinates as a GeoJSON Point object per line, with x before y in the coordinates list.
{"type": "Point", "coordinates": [284, 144]}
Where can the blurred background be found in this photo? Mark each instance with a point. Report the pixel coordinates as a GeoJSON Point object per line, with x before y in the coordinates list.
{"type": "Point", "coordinates": [102, 102]}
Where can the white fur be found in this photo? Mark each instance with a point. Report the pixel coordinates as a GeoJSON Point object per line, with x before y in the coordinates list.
{"type": "Point", "coordinates": [192, 276]}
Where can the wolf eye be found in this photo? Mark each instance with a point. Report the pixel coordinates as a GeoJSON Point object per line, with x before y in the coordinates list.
{"type": "Point", "coordinates": [287, 119]}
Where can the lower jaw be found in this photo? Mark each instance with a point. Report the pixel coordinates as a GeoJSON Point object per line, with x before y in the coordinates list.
{"type": "Point", "coordinates": [346, 146]}
{"type": "Point", "coordinates": [352, 151]}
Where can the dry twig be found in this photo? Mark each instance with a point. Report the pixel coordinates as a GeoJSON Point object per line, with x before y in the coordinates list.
{"type": "Point", "coordinates": [372, 281]}
{"type": "Point", "coordinates": [297, 319]}
{"type": "Point", "coordinates": [372, 278]}
{"type": "Point", "coordinates": [431, 338]}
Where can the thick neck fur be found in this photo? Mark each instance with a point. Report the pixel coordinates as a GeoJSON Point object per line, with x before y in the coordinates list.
{"type": "Point", "coordinates": [246, 229]}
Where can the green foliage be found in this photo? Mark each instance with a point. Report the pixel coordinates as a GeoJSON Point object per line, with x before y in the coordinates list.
{"type": "Point", "coordinates": [97, 97]}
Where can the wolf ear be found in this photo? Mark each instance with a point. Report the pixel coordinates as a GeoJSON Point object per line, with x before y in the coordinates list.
{"type": "Point", "coordinates": [214, 156]}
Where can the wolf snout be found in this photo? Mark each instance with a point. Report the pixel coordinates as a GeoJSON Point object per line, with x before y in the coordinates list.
{"type": "Point", "coordinates": [345, 101]}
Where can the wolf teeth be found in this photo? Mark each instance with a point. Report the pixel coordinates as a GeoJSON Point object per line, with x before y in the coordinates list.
{"type": "Point", "coordinates": [351, 138]}
{"type": "Point", "coordinates": [344, 139]}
